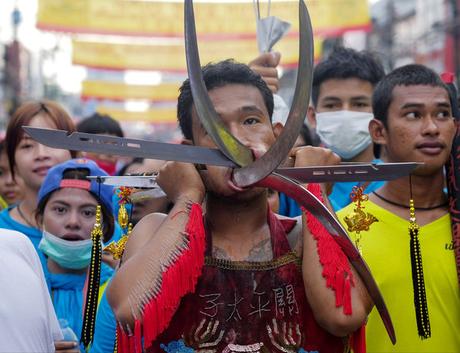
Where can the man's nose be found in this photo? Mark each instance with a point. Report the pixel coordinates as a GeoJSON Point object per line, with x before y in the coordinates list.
{"type": "Point", "coordinates": [429, 126]}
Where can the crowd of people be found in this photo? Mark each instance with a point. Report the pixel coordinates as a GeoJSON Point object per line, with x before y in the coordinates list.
{"type": "Point", "coordinates": [212, 267]}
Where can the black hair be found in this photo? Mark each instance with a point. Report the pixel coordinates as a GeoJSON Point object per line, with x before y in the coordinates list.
{"type": "Point", "coordinates": [306, 135]}
{"type": "Point", "coordinates": [218, 75]}
{"type": "Point", "coordinates": [409, 75]}
{"type": "Point", "coordinates": [81, 174]}
{"type": "Point", "coordinates": [344, 63]}
{"type": "Point", "coordinates": [136, 160]}
{"type": "Point", "coordinates": [100, 124]}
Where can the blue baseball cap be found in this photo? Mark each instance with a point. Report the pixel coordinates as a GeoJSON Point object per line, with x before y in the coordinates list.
{"type": "Point", "coordinates": [54, 181]}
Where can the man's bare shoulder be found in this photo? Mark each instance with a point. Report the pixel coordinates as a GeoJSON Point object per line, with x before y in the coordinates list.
{"type": "Point", "coordinates": [142, 233]}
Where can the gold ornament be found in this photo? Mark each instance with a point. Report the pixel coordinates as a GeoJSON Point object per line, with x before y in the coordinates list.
{"type": "Point", "coordinates": [358, 220]}
{"type": "Point", "coordinates": [124, 193]}
{"type": "Point", "coordinates": [123, 217]}
{"type": "Point", "coordinates": [96, 233]}
{"type": "Point", "coordinates": [117, 248]}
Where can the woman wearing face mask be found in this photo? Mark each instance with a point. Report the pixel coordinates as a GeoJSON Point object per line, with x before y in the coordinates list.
{"type": "Point", "coordinates": [66, 214]}
{"type": "Point", "coordinates": [31, 161]}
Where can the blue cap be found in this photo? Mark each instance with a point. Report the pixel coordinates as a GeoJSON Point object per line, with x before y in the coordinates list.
{"type": "Point", "coordinates": [54, 181]}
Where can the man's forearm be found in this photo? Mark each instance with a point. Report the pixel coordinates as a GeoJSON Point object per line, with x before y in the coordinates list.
{"type": "Point", "coordinates": [139, 277]}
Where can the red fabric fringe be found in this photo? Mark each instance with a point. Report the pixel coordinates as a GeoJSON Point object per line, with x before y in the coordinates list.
{"type": "Point", "coordinates": [122, 340]}
{"type": "Point", "coordinates": [336, 268]}
{"type": "Point", "coordinates": [358, 340]}
{"type": "Point", "coordinates": [137, 337]}
{"type": "Point", "coordinates": [179, 279]}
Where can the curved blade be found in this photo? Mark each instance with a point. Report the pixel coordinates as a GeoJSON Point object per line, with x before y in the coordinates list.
{"type": "Point", "coordinates": [212, 123]}
{"type": "Point", "coordinates": [263, 166]}
{"type": "Point", "coordinates": [317, 209]}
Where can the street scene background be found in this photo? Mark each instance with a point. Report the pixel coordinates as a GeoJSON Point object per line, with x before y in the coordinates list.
{"type": "Point", "coordinates": [125, 58]}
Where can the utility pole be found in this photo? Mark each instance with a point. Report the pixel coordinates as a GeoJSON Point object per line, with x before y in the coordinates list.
{"type": "Point", "coordinates": [13, 64]}
{"type": "Point", "coordinates": [388, 33]}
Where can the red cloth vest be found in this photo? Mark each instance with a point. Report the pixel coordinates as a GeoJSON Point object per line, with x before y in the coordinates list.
{"type": "Point", "coordinates": [251, 306]}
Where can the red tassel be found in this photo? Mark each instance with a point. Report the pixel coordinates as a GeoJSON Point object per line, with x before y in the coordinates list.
{"type": "Point", "coordinates": [347, 310]}
{"type": "Point", "coordinates": [131, 340]}
{"type": "Point", "coordinates": [358, 340]}
{"type": "Point", "coordinates": [137, 337]}
{"type": "Point", "coordinates": [179, 279]}
{"type": "Point", "coordinates": [123, 341]}
{"type": "Point", "coordinates": [339, 289]}
{"type": "Point", "coordinates": [336, 269]}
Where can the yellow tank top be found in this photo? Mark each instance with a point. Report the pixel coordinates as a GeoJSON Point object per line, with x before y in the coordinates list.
{"type": "Point", "coordinates": [385, 247]}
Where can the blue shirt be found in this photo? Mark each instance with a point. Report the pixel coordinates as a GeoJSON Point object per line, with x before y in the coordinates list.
{"type": "Point", "coordinates": [106, 327]}
{"type": "Point", "coordinates": [339, 198]}
{"type": "Point", "coordinates": [68, 297]}
{"type": "Point", "coordinates": [34, 234]}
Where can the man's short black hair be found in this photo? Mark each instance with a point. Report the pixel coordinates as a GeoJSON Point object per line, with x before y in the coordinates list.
{"type": "Point", "coordinates": [100, 124]}
{"type": "Point", "coordinates": [408, 75]}
{"type": "Point", "coordinates": [218, 75]}
{"type": "Point", "coordinates": [345, 63]}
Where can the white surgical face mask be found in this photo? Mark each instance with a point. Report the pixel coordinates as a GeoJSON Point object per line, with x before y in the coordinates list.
{"type": "Point", "coordinates": [345, 132]}
{"type": "Point", "coordinates": [68, 254]}
{"type": "Point", "coordinates": [280, 110]}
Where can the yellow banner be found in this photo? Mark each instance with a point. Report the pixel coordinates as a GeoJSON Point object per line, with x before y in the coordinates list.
{"type": "Point", "coordinates": [213, 20]}
{"type": "Point", "coordinates": [120, 91]}
{"type": "Point", "coordinates": [172, 57]}
{"type": "Point", "coordinates": [160, 116]}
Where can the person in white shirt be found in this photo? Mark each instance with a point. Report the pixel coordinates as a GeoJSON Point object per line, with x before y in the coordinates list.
{"type": "Point", "coordinates": [27, 319]}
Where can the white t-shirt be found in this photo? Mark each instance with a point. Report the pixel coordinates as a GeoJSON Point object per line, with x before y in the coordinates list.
{"type": "Point", "coordinates": [27, 319]}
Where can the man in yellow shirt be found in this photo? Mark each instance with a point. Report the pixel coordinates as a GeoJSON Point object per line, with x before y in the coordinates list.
{"type": "Point", "coordinates": [415, 270]}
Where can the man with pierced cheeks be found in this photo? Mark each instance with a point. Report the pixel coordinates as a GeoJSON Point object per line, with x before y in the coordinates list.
{"type": "Point", "coordinates": [236, 277]}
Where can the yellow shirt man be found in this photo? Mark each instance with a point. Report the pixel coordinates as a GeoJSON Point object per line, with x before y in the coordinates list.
{"type": "Point", "coordinates": [385, 247]}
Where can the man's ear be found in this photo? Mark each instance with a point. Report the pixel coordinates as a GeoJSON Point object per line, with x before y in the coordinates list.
{"type": "Point", "coordinates": [378, 132]}
{"type": "Point", "coordinates": [277, 129]}
{"type": "Point", "coordinates": [311, 116]}
{"type": "Point", "coordinates": [186, 142]}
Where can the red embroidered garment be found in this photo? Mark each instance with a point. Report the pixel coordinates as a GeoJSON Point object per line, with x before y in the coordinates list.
{"type": "Point", "coordinates": [250, 306]}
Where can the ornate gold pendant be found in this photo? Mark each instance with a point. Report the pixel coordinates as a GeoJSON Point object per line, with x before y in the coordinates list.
{"type": "Point", "coordinates": [359, 221]}
{"type": "Point", "coordinates": [117, 248]}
